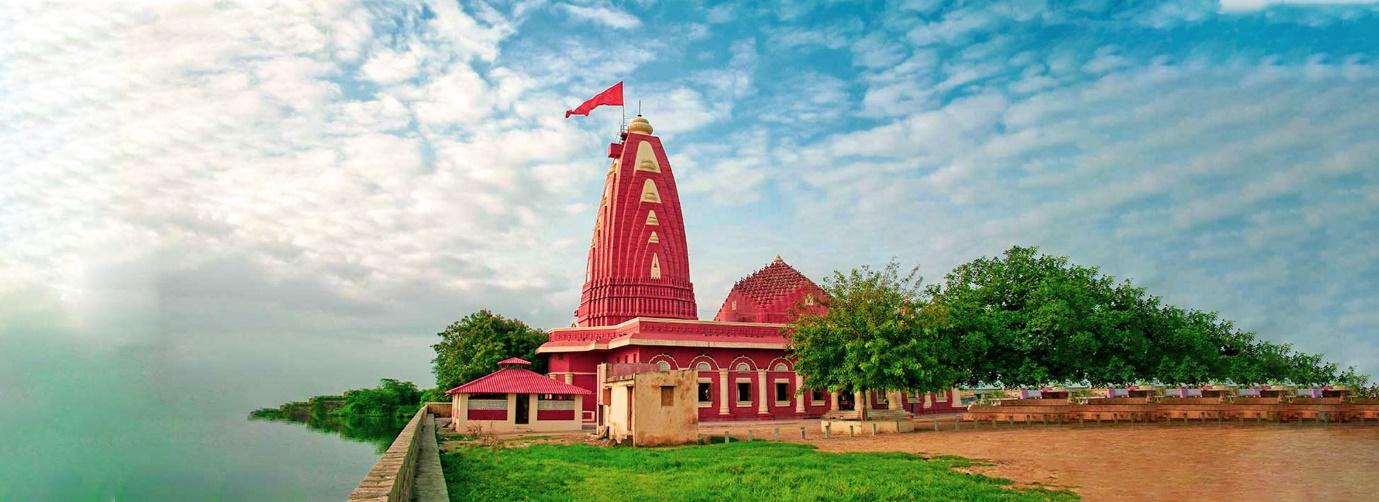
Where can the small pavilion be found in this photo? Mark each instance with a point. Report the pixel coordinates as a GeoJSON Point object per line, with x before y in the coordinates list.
{"type": "Point", "coordinates": [516, 399]}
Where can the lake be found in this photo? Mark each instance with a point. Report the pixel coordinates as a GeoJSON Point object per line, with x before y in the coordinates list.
{"type": "Point", "coordinates": [167, 419]}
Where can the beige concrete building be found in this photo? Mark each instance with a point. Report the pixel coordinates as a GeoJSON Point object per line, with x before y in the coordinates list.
{"type": "Point", "coordinates": [648, 405]}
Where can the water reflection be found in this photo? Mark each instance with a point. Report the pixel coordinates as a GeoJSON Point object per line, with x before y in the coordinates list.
{"type": "Point", "coordinates": [378, 431]}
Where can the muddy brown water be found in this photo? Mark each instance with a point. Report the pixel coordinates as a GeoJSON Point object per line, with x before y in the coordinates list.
{"type": "Point", "coordinates": [1162, 462]}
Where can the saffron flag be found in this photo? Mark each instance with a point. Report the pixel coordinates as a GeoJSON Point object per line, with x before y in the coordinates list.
{"type": "Point", "coordinates": [611, 96]}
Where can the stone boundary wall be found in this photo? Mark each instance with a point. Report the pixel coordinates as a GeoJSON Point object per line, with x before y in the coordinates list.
{"type": "Point", "coordinates": [1057, 411]}
{"type": "Point", "coordinates": [390, 479]}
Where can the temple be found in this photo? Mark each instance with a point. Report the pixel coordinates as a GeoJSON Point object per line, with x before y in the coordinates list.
{"type": "Point", "coordinates": [638, 307]}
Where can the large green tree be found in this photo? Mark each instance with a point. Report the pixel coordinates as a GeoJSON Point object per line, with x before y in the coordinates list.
{"type": "Point", "coordinates": [878, 333]}
{"type": "Point", "coordinates": [1026, 319]}
{"type": "Point", "coordinates": [471, 347]}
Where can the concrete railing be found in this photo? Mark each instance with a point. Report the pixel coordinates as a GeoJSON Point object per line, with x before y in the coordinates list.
{"type": "Point", "coordinates": [441, 409]}
{"type": "Point", "coordinates": [390, 479]}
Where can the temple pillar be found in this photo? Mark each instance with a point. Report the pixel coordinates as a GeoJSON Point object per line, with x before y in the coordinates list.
{"type": "Point", "coordinates": [832, 402]}
{"type": "Point", "coordinates": [762, 397]}
{"type": "Point", "coordinates": [723, 391]}
{"type": "Point", "coordinates": [859, 399]}
{"type": "Point", "coordinates": [799, 394]}
{"type": "Point", "coordinates": [893, 400]}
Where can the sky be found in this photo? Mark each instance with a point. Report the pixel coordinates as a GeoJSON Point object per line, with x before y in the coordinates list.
{"type": "Point", "coordinates": [265, 201]}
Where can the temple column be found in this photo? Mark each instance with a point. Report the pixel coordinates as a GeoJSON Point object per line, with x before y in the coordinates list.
{"type": "Point", "coordinates": [762, 398]}
{"type": "Point", "coordinates": [832, 401]}
{"type": "Point", "coordinates": [859, 400]}
{"type": "Point", "coordinates": [799, 394]}
{"type": "Point", "coordinates": [893, 400]}
{"type": "Point", "coordinates": [723, 391]}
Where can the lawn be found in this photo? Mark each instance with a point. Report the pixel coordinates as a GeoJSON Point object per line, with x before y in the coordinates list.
{"type": "Point", "coordinates": [739, 471]}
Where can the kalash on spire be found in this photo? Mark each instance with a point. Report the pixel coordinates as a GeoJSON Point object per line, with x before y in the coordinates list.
{"type": "Point", "coordinates": [638, 306]}
{"type": "Point", "coordinates": [638, 261]}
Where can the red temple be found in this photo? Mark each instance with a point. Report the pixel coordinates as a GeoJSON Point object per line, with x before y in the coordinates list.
{"type": "Point", "coordinates": [637, 306]}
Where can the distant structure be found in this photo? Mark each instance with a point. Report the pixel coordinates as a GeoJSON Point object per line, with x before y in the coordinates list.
{"type": "Point", "coordinates": [516, 399]}
{"type": "Point", "coordinates": [637, 306]}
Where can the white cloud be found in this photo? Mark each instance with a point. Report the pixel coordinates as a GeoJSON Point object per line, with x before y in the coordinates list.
{"type": "Point", "coordinates": [1238, 6]}
{"type": "Point", "coordinates": [605, 15]}
{"type": "Point", "coordinates": [386, 66]}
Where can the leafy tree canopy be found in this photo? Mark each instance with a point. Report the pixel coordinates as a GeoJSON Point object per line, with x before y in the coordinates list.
{"type": "Point", "coordinates": [472, 347]}
{"type": "Point", "coordinates": [1026, 319]}
{"type": "Point", "coordinates": [878, 333]}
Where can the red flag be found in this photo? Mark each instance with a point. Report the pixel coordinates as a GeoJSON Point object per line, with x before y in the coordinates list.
{"type": "Point", "coordinates": [611, 96]}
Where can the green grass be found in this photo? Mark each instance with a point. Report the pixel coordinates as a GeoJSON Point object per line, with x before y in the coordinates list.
{"type": "Point", "coordinates": [739, 471]}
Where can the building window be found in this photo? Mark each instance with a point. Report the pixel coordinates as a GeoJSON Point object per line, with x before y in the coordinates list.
{"type": "Point", "coordinates": [655, 266]}
{"type": "Point", "coordinates": [703, 366]}
{"type": "Point", "coordinates": [941, 397]}
{"type": "Point", "coordinates": [705, 392]}
{"type": "Point", "coordinates": [782, 392]}
{"type": "Point", "coordinates": [743, 367]}
{"type": "Point", "coordinates": [780, 367]}
{"type": "Point", "coordinates": [651, 218]}
{"type": "Point", "coordinates": [663, 366]}
{"type": "Point", "coordinates": [744, 392]}
{"type": "Point", "coordinates": [667, 395]}
{"type": "Point", "coordinates": [816, 396]}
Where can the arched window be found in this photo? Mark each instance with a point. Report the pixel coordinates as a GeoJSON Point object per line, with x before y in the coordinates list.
{"type": "Point", "coordinates": [780, 367]}
{"type": "Point", "coordinates": [702, 366]}
{"type": "Point", "coordinates": [743, 367]}
{"type": "Point", "coordinates": [664, 366]}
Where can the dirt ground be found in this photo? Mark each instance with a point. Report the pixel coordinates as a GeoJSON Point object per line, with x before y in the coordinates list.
{"type": "Point", "coordinates": [1140, 462]}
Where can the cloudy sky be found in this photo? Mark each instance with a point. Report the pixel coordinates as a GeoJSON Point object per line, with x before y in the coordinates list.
{"type": "Point", "coordinates": [284, 199]}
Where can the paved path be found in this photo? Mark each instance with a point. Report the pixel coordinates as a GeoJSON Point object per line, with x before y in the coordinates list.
{"type": "Point", "coordinates": [429, 485]}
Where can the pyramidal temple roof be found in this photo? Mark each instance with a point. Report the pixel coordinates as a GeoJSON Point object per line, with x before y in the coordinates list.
{"type": "Point", "coordinates": [772, 282]}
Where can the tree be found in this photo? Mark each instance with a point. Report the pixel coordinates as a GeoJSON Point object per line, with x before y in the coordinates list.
{"type": "Point", "coordinates": [1031, 319]}
{"type": "Point", "coordinates": [878, 333]}
{"type": "Point", "coordinates": [472, 347]}
{"type": "Point", "coordinates": [1025, 319]}
{"type": "Point", "coordinates": [391, 399]}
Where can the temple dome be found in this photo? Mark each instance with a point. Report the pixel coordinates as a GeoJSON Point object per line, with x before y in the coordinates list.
{"type": "Point", "coordinates": [639, 125]}
{"type": "Point", "coordinates": [773, 293]}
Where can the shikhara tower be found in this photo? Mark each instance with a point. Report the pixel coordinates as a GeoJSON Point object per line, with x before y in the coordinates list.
{"type": "Point", "coordinates": [638, 260]}
{"type": "Point", "coordinates": [638, 306]}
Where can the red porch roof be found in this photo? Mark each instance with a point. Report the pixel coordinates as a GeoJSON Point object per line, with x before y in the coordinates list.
{"type": "Point", "coordinates": [517, 381]}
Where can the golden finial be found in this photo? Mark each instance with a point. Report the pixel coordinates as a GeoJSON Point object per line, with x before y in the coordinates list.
{"type": "Point", "coordinates": [639, 125]}
{"type": "Point", "coordinates": [777, 260]}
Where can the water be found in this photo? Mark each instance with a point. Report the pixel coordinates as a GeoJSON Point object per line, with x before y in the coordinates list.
{"type": "Point", "coordinates": [166, 418]}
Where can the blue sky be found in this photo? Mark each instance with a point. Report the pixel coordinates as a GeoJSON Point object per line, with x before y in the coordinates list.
{"type": "Point", "coordinates": [286, 200]}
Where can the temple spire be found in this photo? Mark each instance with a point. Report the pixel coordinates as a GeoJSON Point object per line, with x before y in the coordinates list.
{"type": "Point", "coordinates": [638, 259]}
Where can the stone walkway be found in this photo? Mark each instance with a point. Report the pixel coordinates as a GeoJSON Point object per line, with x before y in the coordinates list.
{"type": "Point", "coordinates": [429, 485]}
